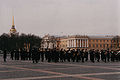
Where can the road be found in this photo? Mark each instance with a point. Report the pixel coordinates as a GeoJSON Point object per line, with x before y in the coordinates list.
{"type": "Point", "coordinates": [26, 70]}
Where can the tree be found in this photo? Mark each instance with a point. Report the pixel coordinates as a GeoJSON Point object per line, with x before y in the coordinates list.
{"type": "Point", "coordinates": [18, 41]}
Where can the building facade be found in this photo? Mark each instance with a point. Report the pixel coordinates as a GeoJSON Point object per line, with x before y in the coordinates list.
{"type": "Point", "coordinates": [77, 41]}
{"type": "Point", "coordinates": [63, 43]}
{"type": "Point", "coordinates": [100, 42]}
{"type": "Point", "coordinates": [90, 42]}
{"type": "Point", "coordinates": [81, 42]}
{"type": "Point", "coordinates": [48, 42]}
{"type": "Point", "coordinates": [116, 42]}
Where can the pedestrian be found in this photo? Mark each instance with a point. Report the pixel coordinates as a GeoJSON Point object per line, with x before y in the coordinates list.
{"type": "Point", "coordinates": [5, 55]}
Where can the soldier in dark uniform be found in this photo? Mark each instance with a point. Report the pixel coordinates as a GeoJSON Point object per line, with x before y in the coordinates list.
{"type": "Point", "coordinates": [97, 55]}
{"type": "Point", "coordinates": [56, 54]}
{"type": "Point", "coordinates": [92, 55]}
{"type": "Point", "coordinates": [16, 54]}
{"type": "Point", "coordinates": [78, 55]}
{"type": "Point", "coordinates": [5, 55]}
{"type": "Point", "coordinates": [42, 55]}
{"type": "Point", "coordinates": [86, 55]}
{"type": "Point", "coordinates": [12, 54]}
{"type": "Point", "coordinates": [112, 55]}
{"type": "Point", "coordinates": [37, 55]}
{"type": "Point", "coordinates": [105, 56]}
{"type": "Point", "coordinates": [102, 55]}
{"type": "Point", "coordinates": [82, 55]}
{"type": "Point", "coordinates": [24, 54]}
{"type": "Point", "coordinates": [53, 55]}
{"type": "Point", "coordinates": [61, 55]}
{"type": "Point", "coordinates": [108, 55]}
{"type": "Point", "coordinates": [64, 55]}
{"type": "Point", "coordinates": [68, 55]}
{"type": "Point", "coordinates": [29, 54]}
{"type": "Point", "coordinates": [118, 55]}
{"type": "Point", "coordinates": [34, 56]}
{"type": "Point", "coordinates": [46, 54]}
{"type": "Point", "coordinates": [49, 52]}
{"type": "Point", "coordinates": [73, 55]}
{"type": "Point", "coordinates": [21, 54]}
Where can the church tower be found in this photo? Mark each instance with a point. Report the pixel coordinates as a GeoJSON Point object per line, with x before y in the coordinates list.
{"type": "Point", "coordinates": [13, 31]}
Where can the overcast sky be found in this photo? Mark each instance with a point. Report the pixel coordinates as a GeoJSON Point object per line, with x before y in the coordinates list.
{"type": "Point", "coordinates": [61, 17]}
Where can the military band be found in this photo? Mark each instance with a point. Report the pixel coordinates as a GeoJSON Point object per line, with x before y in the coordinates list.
{"type": "Point", "coordinates": [56, 55]}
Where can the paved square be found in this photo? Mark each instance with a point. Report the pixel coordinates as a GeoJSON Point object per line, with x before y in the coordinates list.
{"type": "Point", "coordinates": [26, 70]}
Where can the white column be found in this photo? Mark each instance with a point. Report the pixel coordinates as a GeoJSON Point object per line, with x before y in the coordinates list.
{"type": "Point", "coordinates": [80, 42]}
{"type": "Point", "coordinates": [69, 43]}
{"type": "Point", "coordinates": [77, 43]}
{"type": "Point", "coordinates": [74, 42]}
{"type": "Point", "coordinates": [87, 42]}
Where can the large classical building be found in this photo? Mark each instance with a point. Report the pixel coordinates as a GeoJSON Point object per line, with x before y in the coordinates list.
{"type": "Point", "coordinates": [100, 42]}
{"type": "Point", "coordinates": [90, 42]}
{"type": "Point", "coordinates": [73, 42]}
{"type": "Point", "coordinates": [81, 42]}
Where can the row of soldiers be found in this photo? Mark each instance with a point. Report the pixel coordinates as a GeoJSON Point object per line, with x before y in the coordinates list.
{"type": "Point", "coordinates": [55, 55]}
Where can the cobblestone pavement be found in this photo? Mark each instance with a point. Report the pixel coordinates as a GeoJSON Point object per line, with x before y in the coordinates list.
{"type": "Point", "coordinates": [26, 70]}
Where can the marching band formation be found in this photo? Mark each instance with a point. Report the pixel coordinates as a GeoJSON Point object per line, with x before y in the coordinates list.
{"type": "Point", "coordinates": [55, 55]}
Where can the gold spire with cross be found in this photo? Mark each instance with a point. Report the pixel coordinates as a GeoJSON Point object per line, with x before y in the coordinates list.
{"type": "Point", "coordinates": [13, 21]}
{"type": "Point", "coordinates": [13, 30]}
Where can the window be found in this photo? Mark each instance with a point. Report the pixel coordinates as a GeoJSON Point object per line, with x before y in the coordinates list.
{"type": "Point", "coordinates": [111, 41]}
{"type": "Point", "coordinates": [96, 45]}
{"type": "Point", "coordinates": [89, 40]}
{"type": "Point", "coordinates": [104, 40]}
{"type": "Point", "coordinates": [96, 40]}
{"type": "Point", "coordinates": [93, 45]}
{"type": "Point", "coordinates": [89, 45]}
{"type": "Point", "coordinates": [104, 45]}
{"type": "Point", "coordinates": [107, 45]}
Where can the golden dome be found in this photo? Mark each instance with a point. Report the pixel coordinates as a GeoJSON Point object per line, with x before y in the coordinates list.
{"type": "Point", "coordinates": [13, 30]}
